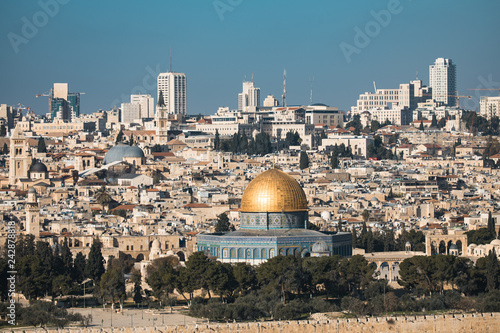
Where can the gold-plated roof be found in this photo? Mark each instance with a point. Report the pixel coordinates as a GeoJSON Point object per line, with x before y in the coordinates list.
{"type": "Point", "coordinates": [273, 191]}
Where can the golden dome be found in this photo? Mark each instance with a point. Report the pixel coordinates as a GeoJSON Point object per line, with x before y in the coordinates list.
{"type": "Point", "coordinates": [273, 191]}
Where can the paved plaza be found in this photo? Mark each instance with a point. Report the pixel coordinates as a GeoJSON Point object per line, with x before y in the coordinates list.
{"type": "Point", "coordinates": [135, 317]}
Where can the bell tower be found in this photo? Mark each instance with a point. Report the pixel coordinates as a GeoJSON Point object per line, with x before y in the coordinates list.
{"type": "Point", "coordinates": [20, 156]}
{"type": "Point", "coordinates": [32, 214]}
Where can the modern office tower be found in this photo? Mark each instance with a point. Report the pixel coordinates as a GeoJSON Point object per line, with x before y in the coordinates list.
{"type": "Point", "coordinates": [270, 101]}
{"type": "Point", "coordinates": [146, 105]}
{"type": "Point", "coordinates": [443, 81]}
{"type": "Point", "coordinates": [249, 98]}
{"type": "Point", "coordinates": [130, 112]}
{"type": "Point", "coordinates": [173, 88]}
{"type": "Point", "coordinates": [63, 104]}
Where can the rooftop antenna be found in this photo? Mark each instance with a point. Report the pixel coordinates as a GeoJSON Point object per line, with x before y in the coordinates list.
{"type": "Point", "coordinates": [417, 74]}
{"type": "Point", "coordinates": [375, 87]}
{"type": "Point", "coordinates": [284, 88]}
{"type": "Point", "coordinates": [312, 79]}
{"type": "Point", "coordinates": [252, 77]}
{"type": "Point", "coordinates": [170, 59]}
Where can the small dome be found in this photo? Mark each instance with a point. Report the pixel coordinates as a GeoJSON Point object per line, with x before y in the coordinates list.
{"type": "Point", "coordinates": [471, 245]}
{"type": "Point", "coordinates": [408, 243]}
{"type": "Point", "coordinates": [320, 247]}
{"type": "Point", "coordinates": [453, 247]}
{"type": "Point", "coordinates": [155, 245]}
{"type": "Point", "coordinates": [326, 215]}
{"type": "Point", "coordinates": [118, 152]}
{"type": "Point", "coordinates": [32, 190]}
{"type": "Point", "coordinates": [38, 167]}
{"type": "Point", "coordinates": [495, 242]}
{"type": "Point", "coordinates": [170, 253]}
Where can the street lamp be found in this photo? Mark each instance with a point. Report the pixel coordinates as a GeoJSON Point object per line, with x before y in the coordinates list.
{"type": "Point", "coordinates": [84, 283]}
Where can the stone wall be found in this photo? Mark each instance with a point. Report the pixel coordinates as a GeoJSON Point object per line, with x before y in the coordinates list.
{"type": "Point", "coordinates": [487, 322]}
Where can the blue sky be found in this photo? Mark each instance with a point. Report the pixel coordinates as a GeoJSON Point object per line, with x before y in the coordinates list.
{"type": "Point", "coordinates": [110, 49]}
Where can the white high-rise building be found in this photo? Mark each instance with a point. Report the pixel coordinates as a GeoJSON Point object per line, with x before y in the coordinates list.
{"type": "Point", "coordinates": [173, 88]}
{"type": "Point", "coordinates": [249, 98]}
{"type": "Point", "coordinates": [490, 107]}
{"type": "Point", "coordinates": [443, 81]}
{"type": "Point", "coordinates": [146, 105]}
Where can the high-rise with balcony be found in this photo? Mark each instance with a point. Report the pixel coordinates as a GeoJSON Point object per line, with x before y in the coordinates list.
{"type": "Point", "coordinates": [173, 89]}
{"type": "Point", "coordinates": [443, 81]}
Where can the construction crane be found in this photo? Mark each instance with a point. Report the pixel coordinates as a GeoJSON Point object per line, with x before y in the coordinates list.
{"type": "Point", "coordinates": [497, 89]}
{"type": "Point", "coordinates": [457, 96]}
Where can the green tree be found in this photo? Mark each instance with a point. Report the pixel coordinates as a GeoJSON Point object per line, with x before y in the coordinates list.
{"type": "Point", "coordinates": [479, 236]}
{"type": "Point", "coordinates": [374, 126]}
{"type": "Point", "coordinates": [491, 225]}
{"type": "Point", "coordinates": [162, 279]}
{"type": "Point", "coordinates": [79, 265]}
{"type": "Point", "coordinates": [5, 149]}
{"type": "Point", "coordinates": [421, 126]}
{"type": "Point", "coordinates": [492, 271]}
{"type": "Point", "coordinates": [217, 140]}
{"type": "Point", "coordinates": [3, 130]}
{"type": "Point", "coordinates": [131, 141]}
{"type": "Point", "coordinates": [94, 268]}
{"type": "Point", "coordinates": [103, 197]}
{"type": "Point", "coordinates": [434, 123]}
{"type": "Point", "coordinates": [245, 276]}
{"type": "Point", "coordinates": [112, 287]}
{"type": "Point", "coordinates": [222, 223]}
{"type": "Point", "coordinates": [303, 160]}
{"type": "Point", "coordinates": [282, 274]}
{"type": "Point", "coordinates": [119, 136]}
{"type": "Point", "coordinates": [220, 279]}
{"type": "Point", "coordinates": [67, 258]}
{"type": "Point", "coordinates": [41, 148]}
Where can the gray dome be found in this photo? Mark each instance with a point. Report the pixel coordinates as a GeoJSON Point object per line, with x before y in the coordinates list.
{"type": "Point", "coordinates": [453, 247]}
{"type": "Point", "coordinates": [31, 190]}
{"type": "Point", "coordinates": [39, 167]}
{"type": "Point", "coordinates": [320, 246]}
{"type": "Point", "coordinates": [118, 152]}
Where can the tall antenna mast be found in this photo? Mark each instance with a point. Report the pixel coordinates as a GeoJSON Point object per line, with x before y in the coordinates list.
{"type": "Point", "coordinates": [252, 77]}
{"type": "Point", "coordinates": [170, 59]}
{"type": "Point", "coordinates": [417, 74]}
{"type": "Point", "coordinates": [284, 88]}
{"type": "Point", "coordinates": [312, 79]}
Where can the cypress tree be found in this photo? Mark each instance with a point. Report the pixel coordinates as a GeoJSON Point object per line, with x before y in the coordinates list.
{"type": "Point", "coordinates": [217, 140]}
{"type": "Point", "coordinates": [41, 145]}
{"type": "Point", "coordinates": [95, 264]}
{"type": "Point", "coordinates": [304, 160]}
{"type": "Point", "coordinates": [491, 225]}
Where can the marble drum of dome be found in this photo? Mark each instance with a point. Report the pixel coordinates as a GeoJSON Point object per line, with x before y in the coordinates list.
{"type": "Point", "coordinates": [273, 200]}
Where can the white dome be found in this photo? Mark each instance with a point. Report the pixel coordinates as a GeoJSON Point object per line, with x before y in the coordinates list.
{"type": "Point", "coordinates": [326, 215]}
{"type": "Point", "coordinates": [495, 242]}
{"type": "Point", "coordinates": [170, 253]}
{"type": "Point", "coordinates": [471, 245]}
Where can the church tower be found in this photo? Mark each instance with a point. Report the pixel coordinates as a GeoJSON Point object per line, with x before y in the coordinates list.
{"type": "Point", "coordinates": [32, 214]}
{"type": "Point", "coordinates": [162, 120]}
{"type": "Point", "coordinates": [20, 156]}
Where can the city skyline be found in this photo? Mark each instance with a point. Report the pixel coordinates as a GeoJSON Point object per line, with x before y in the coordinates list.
{"type": "Point", "coordinates": [344, 46]}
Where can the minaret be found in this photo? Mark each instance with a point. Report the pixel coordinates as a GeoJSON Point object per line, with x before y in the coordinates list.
{"type": "Point", "coordinates": [32, 214]}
